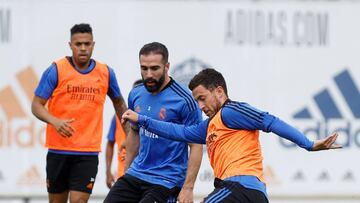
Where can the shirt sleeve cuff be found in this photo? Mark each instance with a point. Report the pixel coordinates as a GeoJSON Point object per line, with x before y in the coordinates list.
{"type": "Point", "coordinates": [142, 120]}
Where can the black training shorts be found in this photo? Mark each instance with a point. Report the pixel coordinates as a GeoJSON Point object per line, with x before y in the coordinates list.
{"type": "Point", "coordinates": [129, 189]}
{"type": "Point", "coordinates": [228, 191]}
{"type": "Point", "coordinates": [70, 172]}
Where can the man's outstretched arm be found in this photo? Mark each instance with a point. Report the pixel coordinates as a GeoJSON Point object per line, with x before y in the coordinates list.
{"type": "Point", "coordinates": [189, 134]}
{"type": "Point", "coordinates": [288, 132]}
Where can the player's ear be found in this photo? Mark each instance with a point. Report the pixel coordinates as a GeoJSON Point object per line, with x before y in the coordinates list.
{"type": "Point", "coordinates": [220, 92]}
{"type": "Point", "coordinates": [167, 66]}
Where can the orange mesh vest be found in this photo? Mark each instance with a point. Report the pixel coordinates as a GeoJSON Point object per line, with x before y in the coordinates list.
{"type": "Point", "coordinates": [120, 137]}
{"type": "Point", "coordinates": [79, 96]}
{"type": "Point", "coordinates": [233, 152]}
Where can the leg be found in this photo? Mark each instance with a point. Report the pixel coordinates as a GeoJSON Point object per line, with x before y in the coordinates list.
{"type": "Point", "coordinates": [58, 197]}
{"type": "Point", "coordinates": [79, 197]}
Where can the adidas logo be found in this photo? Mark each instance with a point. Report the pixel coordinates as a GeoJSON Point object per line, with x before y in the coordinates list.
{"type": "Point", "coordinates": [334, 109]}
{"type": "Point", "coordinates": [327, 104]}
{"type": "Point", "coordinates": [17, 125]}
{"type": "Point", "coordinates": [186, 70]}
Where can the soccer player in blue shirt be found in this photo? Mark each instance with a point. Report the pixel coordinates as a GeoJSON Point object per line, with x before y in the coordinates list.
{"type": "Point", "coordinates": [159, 167]}
{"type": "Point", "coordinates": [232, 137]}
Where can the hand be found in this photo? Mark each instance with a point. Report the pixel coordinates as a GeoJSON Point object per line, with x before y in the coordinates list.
{"type": "Point", "coordinates": [109, 179]}
{"type": "Point", "coordinates": [326, 143]}
{"type": "Point", "coordinates": [186, 195]}
{"type": "Point", "coordinates": [63, 127]}
{"type": "Point", "coordinates": [130, 115]}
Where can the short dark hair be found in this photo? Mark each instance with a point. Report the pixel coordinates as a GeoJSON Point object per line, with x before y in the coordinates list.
{"type": "Point", "coordinates": [81, 28]}
{"type": "Point", "coordinates": [155, 48]}
{"type": "Point", "coordinates": [210, 79]}
{"type": "Point", "coordinates": [137, 82]}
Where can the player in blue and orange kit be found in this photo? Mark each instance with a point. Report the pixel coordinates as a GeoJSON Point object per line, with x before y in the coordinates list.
{"type": "Point", "coordinates": [116, 135]}
{"type": "Point", "coordinates": [75, 89]}
{"type": "Point", "coordinates": [232, 137]}
{"type": "Point", "coordinates": [159, 167]}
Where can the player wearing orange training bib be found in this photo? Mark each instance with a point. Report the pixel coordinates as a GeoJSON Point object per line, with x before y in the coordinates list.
{"type": "Point", "coordinates": [74, 89]}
